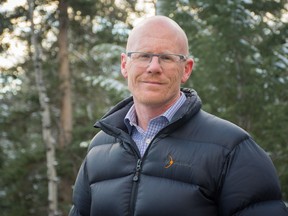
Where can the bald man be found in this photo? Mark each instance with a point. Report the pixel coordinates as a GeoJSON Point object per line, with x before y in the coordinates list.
{"type": "Point", "coordinates": [159, 154]}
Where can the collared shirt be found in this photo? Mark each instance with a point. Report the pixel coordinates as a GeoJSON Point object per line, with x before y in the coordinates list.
{"type": "Point", "coordinates": [143, 138]}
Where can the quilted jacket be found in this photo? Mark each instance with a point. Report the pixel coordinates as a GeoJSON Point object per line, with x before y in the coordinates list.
{"type": "Point", "coordinates": [199, 165]}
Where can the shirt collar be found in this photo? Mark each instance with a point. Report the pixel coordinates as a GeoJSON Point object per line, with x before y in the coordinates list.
{"type": "Point", "coordinates": [131, 117]}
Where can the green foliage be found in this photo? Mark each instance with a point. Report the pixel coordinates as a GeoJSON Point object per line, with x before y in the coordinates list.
{"type": "Point", "coordinates": [94, 29]}
{"type": "Point", "coordinates": [23, 181]}
{"type": "Point", "coordinates": [240, 51]}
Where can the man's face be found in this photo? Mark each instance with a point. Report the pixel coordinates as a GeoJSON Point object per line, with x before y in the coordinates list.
{"type": "Point", "coordinates": [157, 83]}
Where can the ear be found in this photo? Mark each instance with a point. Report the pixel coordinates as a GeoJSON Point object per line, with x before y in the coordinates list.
{"type": "Point", "coordinates": [123, 65]}
{"type": "Point", "coordinates": [187, 70]}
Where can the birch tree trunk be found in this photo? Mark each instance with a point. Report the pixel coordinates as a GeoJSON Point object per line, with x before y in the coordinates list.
{"type": "Point", "coordinates": [65, 77]}
{"type": "Point", "coordinates": [46, 118]}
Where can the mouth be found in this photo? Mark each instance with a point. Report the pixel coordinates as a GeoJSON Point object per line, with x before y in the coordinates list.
{"type": "Point", "coordinates": [153, 82]}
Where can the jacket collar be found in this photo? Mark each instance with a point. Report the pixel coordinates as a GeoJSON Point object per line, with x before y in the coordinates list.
{"type": "Point", "coordinates": [113, 121]}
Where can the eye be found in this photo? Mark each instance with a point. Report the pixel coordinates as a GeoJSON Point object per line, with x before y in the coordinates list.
{"type": "Point", "coordinates": [167, 58]}
{"type": "Point", "coordinates": [144, 56]}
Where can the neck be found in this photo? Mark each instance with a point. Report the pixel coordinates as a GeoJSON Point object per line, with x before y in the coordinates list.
{"type": "Point", "coordinates": [144, 115]}
{"type": "Point", "coordinates": [147, 112]}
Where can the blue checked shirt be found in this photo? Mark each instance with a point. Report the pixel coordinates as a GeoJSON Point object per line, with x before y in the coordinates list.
{"type": "Point", "coordinates": [143, 138]}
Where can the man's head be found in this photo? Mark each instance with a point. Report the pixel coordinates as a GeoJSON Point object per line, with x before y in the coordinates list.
{"type": "Point", "coordinates": [152, 79]}
{"type": "Point", "coordinates": [164, 27]}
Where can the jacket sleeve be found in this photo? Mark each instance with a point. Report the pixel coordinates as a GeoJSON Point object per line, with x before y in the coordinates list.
{"type": "Point", "coordinates": [81, 194]}
{"type": "Point", "coordinates": [250, 184]}
{"type": "Point", "coordinates": [274, 207]}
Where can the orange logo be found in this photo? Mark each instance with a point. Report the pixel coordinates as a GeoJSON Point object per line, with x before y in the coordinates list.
{"type": "Point", "coordinates": [170, 162]}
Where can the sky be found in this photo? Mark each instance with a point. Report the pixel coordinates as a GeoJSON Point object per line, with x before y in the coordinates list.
{"type": "Point", "coordinates": [11, 4]}
{"type": "Point", "coordinates": [16, 48]}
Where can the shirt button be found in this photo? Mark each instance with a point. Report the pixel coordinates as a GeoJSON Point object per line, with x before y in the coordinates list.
{"type": "Point", "coordinates": [147, 141]}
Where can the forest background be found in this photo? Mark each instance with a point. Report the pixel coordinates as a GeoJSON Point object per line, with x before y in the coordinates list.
{"type": "Point", "coordinates": [60, 72]}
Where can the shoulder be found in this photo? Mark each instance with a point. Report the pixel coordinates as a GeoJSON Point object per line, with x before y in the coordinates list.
{"type": "Point", "coordinates": [212, 129]}
{"type": "Point", "coordinates": [101, 138]}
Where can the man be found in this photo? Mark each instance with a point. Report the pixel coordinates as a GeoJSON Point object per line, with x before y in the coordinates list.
{"type": "Point", "coordinates": [159, 154]}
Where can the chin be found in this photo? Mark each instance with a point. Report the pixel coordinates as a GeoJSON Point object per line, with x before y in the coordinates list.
{"type": "Point", "coordinates": [152, 101]}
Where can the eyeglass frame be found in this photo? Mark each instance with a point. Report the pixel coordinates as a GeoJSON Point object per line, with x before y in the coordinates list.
{"type": "Point", "coordinates": [151, 55]}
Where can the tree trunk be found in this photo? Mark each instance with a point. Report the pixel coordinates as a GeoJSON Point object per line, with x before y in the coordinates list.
{"type": "Point", "coordinates": [46, 119]}
{"type": "Point", "coordinates": [65, 77]}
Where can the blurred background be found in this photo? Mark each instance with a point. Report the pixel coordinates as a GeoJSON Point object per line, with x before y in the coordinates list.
{"type": "Point", "coordinates": [60, 72]}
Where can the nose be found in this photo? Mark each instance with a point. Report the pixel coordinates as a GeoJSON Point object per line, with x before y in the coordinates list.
{"type": "Point", "coordinates": [155, 62]}
{"type": "Point", "coordinates": [153, 57]}
{"type": "Point", "coordinates": [154, 65]}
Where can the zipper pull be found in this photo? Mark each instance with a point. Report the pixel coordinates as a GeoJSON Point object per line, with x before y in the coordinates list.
{"type": "Point", "coordinates": [138, 168]}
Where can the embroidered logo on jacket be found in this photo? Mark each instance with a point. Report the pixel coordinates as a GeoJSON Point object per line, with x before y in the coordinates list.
{"type": "Point", "coordinates": [170, 162]}
{"type": "Point", "coordinates": [175, 162]}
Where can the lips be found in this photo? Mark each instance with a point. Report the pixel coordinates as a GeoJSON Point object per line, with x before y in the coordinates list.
{"type": "Point", "coordinates": [152, 82]}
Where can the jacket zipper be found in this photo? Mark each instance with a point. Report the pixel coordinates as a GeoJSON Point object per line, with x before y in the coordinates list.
{"type": "Point", "coordinates": [138, 168]}
{"type": "Point", "coordinates": [135, 180]}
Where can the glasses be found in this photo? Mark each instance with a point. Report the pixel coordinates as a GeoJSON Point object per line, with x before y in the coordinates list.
{"type": "Point", "coordinates": [143, 59]}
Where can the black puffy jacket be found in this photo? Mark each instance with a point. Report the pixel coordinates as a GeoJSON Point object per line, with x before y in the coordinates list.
{"type": "Point", "coordinates": [199, 165]}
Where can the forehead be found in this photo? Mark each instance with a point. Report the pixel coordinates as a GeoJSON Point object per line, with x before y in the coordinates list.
{"type": "Point", "coordinates": [155, 44]}
{"type": "Point", "coordinates": [156, 35]}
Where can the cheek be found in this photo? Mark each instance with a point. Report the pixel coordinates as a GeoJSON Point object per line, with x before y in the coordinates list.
{"type": "Point", "coordinates": [131, 78]}
{"type": "Point", "coordinates": [181, 75]}
{"type": "Point", "coordinates": [178, 75]}
{"type": "Point", "coordinates": [132, 73]}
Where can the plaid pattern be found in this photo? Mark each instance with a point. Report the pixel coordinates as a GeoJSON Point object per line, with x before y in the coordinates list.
{"type": "Point", "coordinates": [143, 138]}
